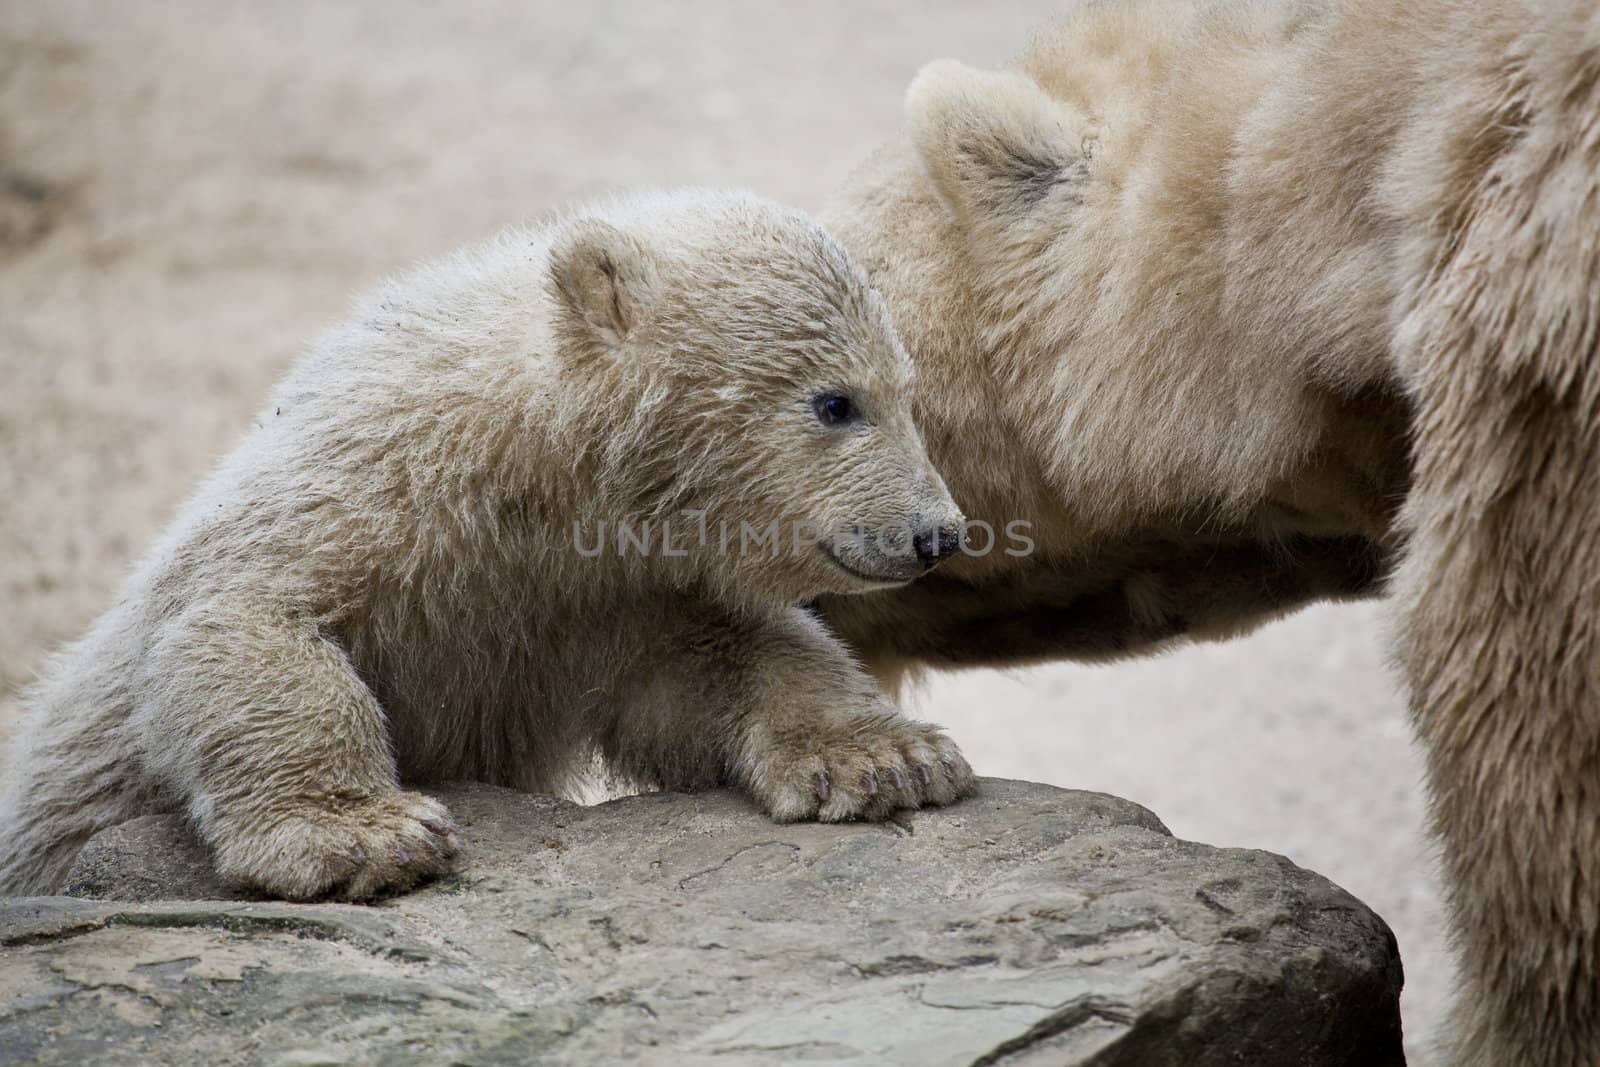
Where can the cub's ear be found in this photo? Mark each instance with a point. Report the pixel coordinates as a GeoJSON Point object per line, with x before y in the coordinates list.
{"type": "Point", "coordinates": [605, 277]}
{"type": "Point", "coordinates": [997, 146]}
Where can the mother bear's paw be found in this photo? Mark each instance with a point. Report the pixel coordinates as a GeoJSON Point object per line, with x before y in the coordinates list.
{"type": "Point", "coordinates": [348, 848]}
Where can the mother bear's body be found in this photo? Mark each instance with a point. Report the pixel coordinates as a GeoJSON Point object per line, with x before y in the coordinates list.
{"type": "Point", "coordinates": [1246, 304]}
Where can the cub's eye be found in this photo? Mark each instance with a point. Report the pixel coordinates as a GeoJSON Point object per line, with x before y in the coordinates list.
{"type": "Point", "coordinates": [833, 409]}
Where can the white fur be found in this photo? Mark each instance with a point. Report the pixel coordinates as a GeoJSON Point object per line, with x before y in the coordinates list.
{"type": "Point", "coordinates": [379, 584]}
{"type": "Point", "coordinates": [1248, 303]}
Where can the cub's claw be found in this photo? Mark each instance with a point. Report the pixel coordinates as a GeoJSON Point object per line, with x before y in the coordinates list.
{"type": "Point", "coordinates": [889, 763]}
{"type": "Point", "coordinates": [352, 850]}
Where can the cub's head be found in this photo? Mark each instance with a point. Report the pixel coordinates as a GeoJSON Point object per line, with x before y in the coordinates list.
{"type": "Point", "coordinates": [750, 396]}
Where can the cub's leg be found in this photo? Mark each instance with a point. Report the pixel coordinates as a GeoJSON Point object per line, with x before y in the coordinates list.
{"type": "Point", "coordinates": [279, 750]}
{"type": "Point", "coordinates": [777, 707]}
{"type": "Point", "coordinates": [73, 767]}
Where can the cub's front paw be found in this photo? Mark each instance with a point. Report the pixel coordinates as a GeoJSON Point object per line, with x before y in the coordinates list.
{"type": "Point", "coordinates": [864, 767]}
{"type": "Point", "coordinates": [350, 848]}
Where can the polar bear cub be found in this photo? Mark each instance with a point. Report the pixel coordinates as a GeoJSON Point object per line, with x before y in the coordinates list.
{"type": "Point", "coordinates": [566, 493]}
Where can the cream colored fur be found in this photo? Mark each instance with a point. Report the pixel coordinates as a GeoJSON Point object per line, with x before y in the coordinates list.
{"type": "Point", "coordinates": [381, 584]}
{"type": "Point", "coordinates": [1246, 304]}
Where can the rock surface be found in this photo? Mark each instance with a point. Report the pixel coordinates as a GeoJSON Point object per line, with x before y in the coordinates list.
{"type": "Point", "coordinates": [1032, 925]}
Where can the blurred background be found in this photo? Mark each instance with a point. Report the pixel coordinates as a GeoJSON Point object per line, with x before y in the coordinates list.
{"type": "Point", "coordinates": [189, 190]}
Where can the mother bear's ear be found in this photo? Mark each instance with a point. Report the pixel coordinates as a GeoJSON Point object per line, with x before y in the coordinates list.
{"type": "Point", "coordinates": [998, 147]}
{"type": "Point", "coordinates": [605, 277]}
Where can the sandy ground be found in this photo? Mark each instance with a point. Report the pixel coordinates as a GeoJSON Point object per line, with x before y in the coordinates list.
{"type": "Point", "coordinates": [189, 189]}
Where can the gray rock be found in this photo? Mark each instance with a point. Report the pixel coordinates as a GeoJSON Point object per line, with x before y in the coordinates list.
{"type": "Point", "coordinates": [1029, 926]}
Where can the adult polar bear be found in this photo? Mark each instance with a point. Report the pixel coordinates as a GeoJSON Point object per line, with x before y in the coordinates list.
{"type": "Point", "coordinates": [1248, 304]}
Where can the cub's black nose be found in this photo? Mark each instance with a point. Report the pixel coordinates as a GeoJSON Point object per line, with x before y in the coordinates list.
{"type": "Point", "coordinates": [935, 544]}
